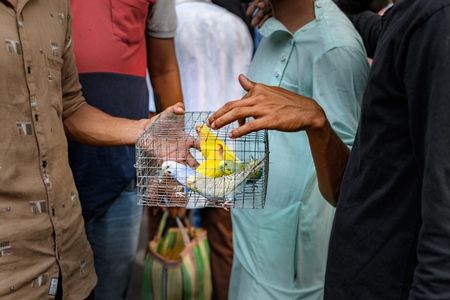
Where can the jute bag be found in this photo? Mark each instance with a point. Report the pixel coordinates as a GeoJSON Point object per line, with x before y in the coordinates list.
{"type": "Point", "coordinates": [178, 264]}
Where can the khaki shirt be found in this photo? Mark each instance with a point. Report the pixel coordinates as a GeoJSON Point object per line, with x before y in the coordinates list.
{"type": "Point", "coordinates": [41, 227]}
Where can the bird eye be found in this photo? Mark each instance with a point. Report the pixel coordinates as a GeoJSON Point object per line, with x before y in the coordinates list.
{"type": "Point", "coordinates": [169, 172]}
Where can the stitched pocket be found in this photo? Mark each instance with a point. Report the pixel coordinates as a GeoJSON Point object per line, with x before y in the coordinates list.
{"type": "Point", "coordinates": [54, 65]}
{"type": "Point", "coordinates": [129, 19]}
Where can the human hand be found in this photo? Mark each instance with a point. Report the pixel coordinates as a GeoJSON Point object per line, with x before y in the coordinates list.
{"type": "Point", "coordinates": [177, 109]}
{"type": "Point", "coordinates": [168, 140]}
{"type": "Point", "coordinates": [264, 12]}
{"type": "Point", "coordinates": [271, 107]}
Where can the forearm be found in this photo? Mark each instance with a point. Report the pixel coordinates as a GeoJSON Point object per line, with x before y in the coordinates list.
{"type": "Point", "coordinates": [164, 73]}
{"type": "Point", "coordinates": [91, 126]}
{"type": "Point", "coordinates": [330, 157]}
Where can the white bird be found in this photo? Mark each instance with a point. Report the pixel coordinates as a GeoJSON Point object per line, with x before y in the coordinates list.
{"type": "Point", "coordinates": [179, 172]}
{"type": "Point", "coordinates": [221, 188]}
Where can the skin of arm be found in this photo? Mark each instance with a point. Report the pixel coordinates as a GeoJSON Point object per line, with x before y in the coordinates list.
{"type": "Point", "coordinates": [92, 126]}
{"type": "Point", "coordinates": [164, 73]}
{"type": "Point", "coordinates": [275, 108]}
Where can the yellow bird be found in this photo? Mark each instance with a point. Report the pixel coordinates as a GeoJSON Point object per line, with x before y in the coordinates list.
{"type": "Point", "coordinates": [210, 167]}
{"type": "Point", "coordinates": [209, 143]}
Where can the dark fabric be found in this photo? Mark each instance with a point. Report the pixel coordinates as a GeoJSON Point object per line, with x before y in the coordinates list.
{"type": "Point", "coordinates": [391, 234]}
{"type": "Point", "coordinates": [101, 173]}
{"type": "Point", "coordinates": [370, 25]}
{"type": "Point", "coordinates": [217, 222]}
{"type": "Point", "coordinates": [59, 291]}
{"type": "Point", "coordinates": [239, 8]}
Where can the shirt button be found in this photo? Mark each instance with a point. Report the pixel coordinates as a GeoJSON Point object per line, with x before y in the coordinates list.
{"type": "Point", "coordinates": [44, 163]}
{"type": "Point", "coordinates": [277, 74]}
{"type": "Point", "coordinates": [8, 209]}
{"type": "Point", "coordinates": [63, 205]}
{"type": "Point", "coordinates": [304, 28]}
{"type": "Point", "coordinates": [319, 4]}
{"type": "Point", "coordinates": [29, 70]}
{"type": "Point", "coordinates": [319, 18]}
{"type": "Point", "coordinates": [11, 289]}
{"type": "Point", "coordinates": [283, 57]}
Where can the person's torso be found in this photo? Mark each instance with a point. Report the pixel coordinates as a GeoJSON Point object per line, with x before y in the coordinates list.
{"type": "Point", "coordinates": [42, 229]}
{"type": "Point", "coordinates": [281, 249]}
{"type": "Point", "coordinates": [375, 232]}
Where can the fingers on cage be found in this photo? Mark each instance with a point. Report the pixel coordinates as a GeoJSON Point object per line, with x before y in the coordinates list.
{"type": "Point", "coordinates": [183, 140]}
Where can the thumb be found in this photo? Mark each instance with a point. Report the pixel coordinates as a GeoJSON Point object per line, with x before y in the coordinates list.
{"type": "Point", "coordinates": [177, 108]}
{"type": "Point", "coordinates": [246, 83]}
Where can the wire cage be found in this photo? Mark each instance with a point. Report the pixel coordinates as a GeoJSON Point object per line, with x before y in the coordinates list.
{"type": "Point", "coordinates": [180, 162]}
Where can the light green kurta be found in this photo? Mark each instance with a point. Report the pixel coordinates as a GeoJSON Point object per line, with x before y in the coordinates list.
{"type": "Point", "coordinates": [281, 250]}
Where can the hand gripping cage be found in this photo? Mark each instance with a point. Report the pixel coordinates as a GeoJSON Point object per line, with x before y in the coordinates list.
{"type": "Point", "coordinates": [180, 162]}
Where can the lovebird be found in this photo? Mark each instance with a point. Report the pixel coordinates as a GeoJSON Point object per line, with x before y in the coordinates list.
{"type": "Point", "coordinates": [218, 188]}
{"type": "Point", "coordinates": [209, 141]}
{"type": "Point", "coordinates": [229, 167]}
{"type": "Point", "coordinates": [210, 166]}
{"type": "Point", "coordinates": [179, 172]}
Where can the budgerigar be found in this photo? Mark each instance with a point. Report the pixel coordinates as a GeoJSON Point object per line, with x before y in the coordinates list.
{"type": "Point", "coordinates": [210, 166]}
{"type": "Point", "coordinates": [179, 172]}
{"type": "Point", "coordinates": [229, 167]}
{"type": "Point", "coordinates": [209, 141]}
{"type": "Point", "coordinates": [218, 188]}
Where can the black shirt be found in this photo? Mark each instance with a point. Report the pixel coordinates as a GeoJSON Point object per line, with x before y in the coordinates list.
{"type": "Point", "coordinates": [391, 234]}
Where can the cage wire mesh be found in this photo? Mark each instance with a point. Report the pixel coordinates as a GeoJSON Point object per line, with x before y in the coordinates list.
{"type": "Point", "coordinates": [180, 162]}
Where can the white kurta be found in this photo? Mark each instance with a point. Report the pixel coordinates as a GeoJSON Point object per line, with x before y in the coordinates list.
{"type": "Point", "coordinates": [213, 46]}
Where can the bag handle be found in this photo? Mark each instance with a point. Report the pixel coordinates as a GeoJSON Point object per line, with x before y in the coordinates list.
{"type": "Point", "coordinates": [182, 229]}
{"type": "Point", "coordinates": [162, 224]}
{"type": "Point", "coordinates": [189, 227]}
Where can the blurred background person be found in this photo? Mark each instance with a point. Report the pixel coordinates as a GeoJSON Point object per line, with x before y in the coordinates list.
{"type": "Point", "coordinates": [213, 46]}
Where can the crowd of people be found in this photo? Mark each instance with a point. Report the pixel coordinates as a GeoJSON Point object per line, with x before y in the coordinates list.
{"type": "Point", "coordinates": [359, 188]}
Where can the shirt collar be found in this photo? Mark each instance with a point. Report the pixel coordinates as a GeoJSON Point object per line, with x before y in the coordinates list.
{"type": "Point", "coordinates": [272, 25]}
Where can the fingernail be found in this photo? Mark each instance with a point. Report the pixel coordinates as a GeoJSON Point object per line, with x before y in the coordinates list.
{"type": "Point", "coordinates": [207, 123]}
{"type": "Point", "coordinates": [213, 126]}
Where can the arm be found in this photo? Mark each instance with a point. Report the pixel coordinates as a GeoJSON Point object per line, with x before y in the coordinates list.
{"type": "Point", "coordinates": [426, 77]}
{"type": "Point", "coordinates": [279, 109]}
{"type": "Point", "coordinates": [164, 73]}
{"type": "Point", "coordinates": [162, 62]}
{"type": "Point", "coordinates": [92, 126]}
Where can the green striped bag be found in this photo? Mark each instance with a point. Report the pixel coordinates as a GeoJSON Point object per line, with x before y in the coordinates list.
{"type": "Point", "coordinates": [178, 264]}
